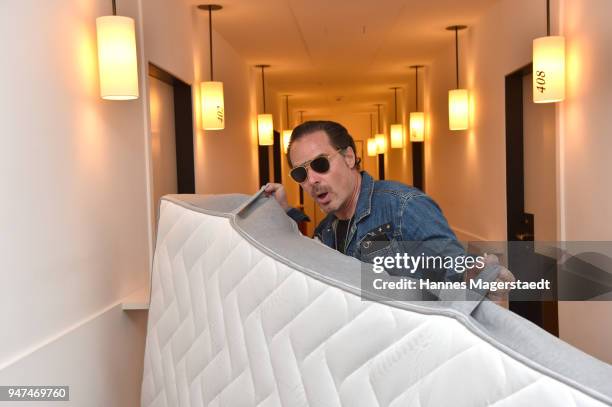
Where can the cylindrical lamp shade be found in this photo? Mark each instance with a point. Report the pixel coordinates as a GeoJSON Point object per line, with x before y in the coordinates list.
{"type": "Point", "coordinates": [381, 143]}
{"type": "Point", "coordinates": [117, 61]}
{"type": "Point", "coordinates": [549, 69]}
{"type": "Point", "coordinates": [213, 111]}
{"type": "Point", "coordinates": [458, 117]}
{"type": "Point", "coordinates": [417, 127]}
{"type": "Point", "coordinates": [372, 147]}
{"type": "Point", "coordinates": [286, 138]}
{"type": "Point", "coordinates": [397, 136]}
{"type": "Point", "coordinates": [265, 129]}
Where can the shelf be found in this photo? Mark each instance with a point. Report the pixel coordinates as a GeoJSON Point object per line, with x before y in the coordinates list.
{"type": "Point", "coordinates": [136, 301]}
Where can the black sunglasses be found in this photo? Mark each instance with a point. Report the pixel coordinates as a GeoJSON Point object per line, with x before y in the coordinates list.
{"type": "Point", "coordinates": [319, 164]}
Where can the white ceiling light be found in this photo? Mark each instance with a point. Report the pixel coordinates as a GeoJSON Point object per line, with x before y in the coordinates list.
{"type": "Point", "coordinates": [397, 129]}
{"type": "Point", "coordinates": [548, 66]}
{"type": "Point", "coordinates": [458, 110]}
{"type": "Point", "coordinates": [417, 118]}
{"type": "Point", "coordinates": [287, 132]}
{"type": "Point", "coordinates": [117, 60]}
{"type": "Point", "coordinates": [265, 126]}
{"type": "Point", "coordinates": [211, 92]}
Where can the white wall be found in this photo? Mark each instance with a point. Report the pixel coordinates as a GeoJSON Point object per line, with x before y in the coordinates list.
{"type": "Point", "coordinates": [75, 228]}
{"type": "Point", "coordinates": [101, 361]}
{"type": "Point", "coordinates": [75, 220]}
{"type": "Point", "coordinates": [586, 144]}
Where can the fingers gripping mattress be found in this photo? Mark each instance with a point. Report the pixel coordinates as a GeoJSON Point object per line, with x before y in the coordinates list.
{"type": "Point", "coordinates": [247, 312]}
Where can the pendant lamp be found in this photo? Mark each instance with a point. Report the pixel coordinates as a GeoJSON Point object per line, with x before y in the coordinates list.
{"type": "Point", "coordinates": [417, 118]}
{"type": "Point", "coordinates": [381, 138]}
{"type": "Point", "coordinates": [265, 125]}
{"type": "Point", "coordinates": [286, 132]}
{"type": "Point", "coordinates": [397, 129]}
{"type": "Point", "coordinates": [211, 92]}
{"type": "Point", "coordinates": [548, 66]}
{"type": "Point", "coordinates": [371, 142]}
{"type": "Point", "coordinates": [458, 112]}
{"type": "Point", "coordinates": [117, 60]}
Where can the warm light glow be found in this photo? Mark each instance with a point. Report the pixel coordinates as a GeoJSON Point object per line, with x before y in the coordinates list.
{"type": "Point", "coordinates": [397, 136]}
{"type": "Point", "coordinates": [372, 147]}
{"type": "Point", "coordinates": [458, 115]}
{"type": "Point", "coordinates": [265, 129]}
{"type": "Point", "coordinates": [417, 127]}
{"type": "Point", "coordinates": [117, 61]}
{"type": "Point", "coordinates": [213, 111]}
{"type": "Point", "coordinates": [381, 143]}
{"type": "Point", "coordinates": [286, 138]}
{"type": "Point", "coordinates": [549, 69]}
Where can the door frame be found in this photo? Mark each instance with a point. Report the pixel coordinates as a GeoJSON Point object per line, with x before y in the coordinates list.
{"type": "Point", "coordinates": [520, 225]}
{"type": "Point", "coordinates": [183, 128]}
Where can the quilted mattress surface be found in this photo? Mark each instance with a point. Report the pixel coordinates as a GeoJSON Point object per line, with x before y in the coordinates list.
{"type": "Point", "coordinates": [245, 311]}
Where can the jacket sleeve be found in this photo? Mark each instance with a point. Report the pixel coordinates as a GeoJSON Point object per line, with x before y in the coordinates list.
{"type": "Point", "coordinates": [297, 215]}
{"type": "Point", "coordinates": [426, 232]}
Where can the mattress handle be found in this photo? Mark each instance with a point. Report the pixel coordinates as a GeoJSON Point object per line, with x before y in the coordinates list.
{"type": "Point", "coordinates": [473, 298]}
{"type": "Point", "coordinates": [249, 201]}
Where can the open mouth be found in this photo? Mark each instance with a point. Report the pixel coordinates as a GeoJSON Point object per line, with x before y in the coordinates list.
{"type": "Point", "coordinates": [322, 197]}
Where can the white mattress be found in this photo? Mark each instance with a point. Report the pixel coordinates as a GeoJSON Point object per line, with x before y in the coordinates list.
{"type": "Point", "coordinates": [236, 320]}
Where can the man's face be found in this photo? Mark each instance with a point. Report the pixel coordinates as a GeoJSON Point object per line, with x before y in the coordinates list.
{"type": "Point", "coordinates": [333, 188]}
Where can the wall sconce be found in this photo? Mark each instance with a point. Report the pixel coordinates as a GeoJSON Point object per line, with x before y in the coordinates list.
{"type": "Point", "coordinates": [117, 59]}
{"type": "Point", "coordinates": [211, 92]}
{"type": "Point", "coordinates": [381, 138]}
{"type": "Point", "coordinates": [381, 143]}
{"type": "Point", "coordinates": [397, 129]}
{"type": "Point", "coordinates": [458, 113]}
{"type": "Point", "coordinates": [286, 133]}
{"type": "Point", "coordinates": [372, 147]}
{"type": "Point", "coordinates": [417, 119]}
{"type": "Point", "coordinates": [265, 125]}
{"type": "Point", "coordinates": [265, 128]}
{"type": "Point", "coordinates": [548, 66]}
{"type": "Point", "coordinates": [286, 139]}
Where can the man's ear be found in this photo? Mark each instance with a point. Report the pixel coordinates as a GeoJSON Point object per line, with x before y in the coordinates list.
{"type": "Point", "coordinates": [349, 157]}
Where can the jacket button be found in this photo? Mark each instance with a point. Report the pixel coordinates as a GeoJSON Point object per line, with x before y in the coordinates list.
{"type": "Point", "coordinates": [365, 245]}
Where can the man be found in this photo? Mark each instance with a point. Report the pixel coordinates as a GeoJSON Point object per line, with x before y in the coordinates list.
{"type": "Point", "coordinates": [365, 218]}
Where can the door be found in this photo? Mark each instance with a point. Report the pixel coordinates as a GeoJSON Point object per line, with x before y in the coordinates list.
{"type": "Point", "coordinates": [163, 145]}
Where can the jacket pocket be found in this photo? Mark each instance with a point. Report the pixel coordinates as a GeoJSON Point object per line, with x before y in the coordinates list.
{"type": "Point", "coordinates": [377, 242]}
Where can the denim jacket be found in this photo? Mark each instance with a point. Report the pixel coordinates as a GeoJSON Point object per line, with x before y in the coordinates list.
{"type": "Point", "coordinates": [391, 218]}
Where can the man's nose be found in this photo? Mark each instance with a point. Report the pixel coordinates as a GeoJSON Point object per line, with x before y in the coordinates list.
{"type": "Point", "coordinates": [312, 177]}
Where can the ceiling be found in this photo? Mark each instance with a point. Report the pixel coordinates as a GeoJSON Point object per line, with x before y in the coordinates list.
{"type": "Point", "coordinates": [340, 55]}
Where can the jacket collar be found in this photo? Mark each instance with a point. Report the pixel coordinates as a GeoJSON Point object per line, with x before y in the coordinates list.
{"type": "Point", "coordinates": [364, 201]}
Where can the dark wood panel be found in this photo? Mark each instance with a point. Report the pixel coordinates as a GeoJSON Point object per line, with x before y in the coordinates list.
{"type": "Point", "coordinates": [418, 166]}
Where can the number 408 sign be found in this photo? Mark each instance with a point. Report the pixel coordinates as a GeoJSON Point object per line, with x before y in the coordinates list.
{"type": "Point", "coordinates": [540, 80]}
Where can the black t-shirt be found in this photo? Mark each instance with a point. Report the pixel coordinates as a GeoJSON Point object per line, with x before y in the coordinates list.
{"type": "Point", "coordinates": [342, 229]}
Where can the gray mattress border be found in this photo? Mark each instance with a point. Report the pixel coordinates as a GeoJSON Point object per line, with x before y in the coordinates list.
{"type": "Point", "coordinates": [488, 321]}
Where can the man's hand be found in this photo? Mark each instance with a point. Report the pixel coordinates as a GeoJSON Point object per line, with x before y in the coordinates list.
{"type": "Point", "coordinates": [278, 191]}
{"type": "Point", "coordinates": [500, 297]}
